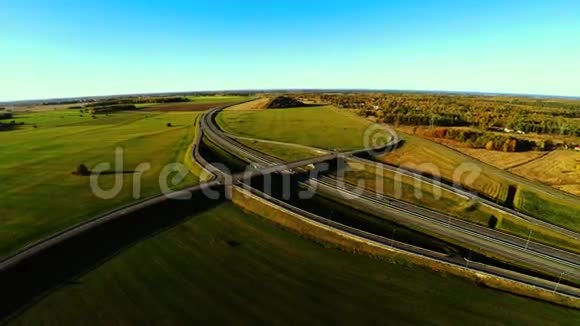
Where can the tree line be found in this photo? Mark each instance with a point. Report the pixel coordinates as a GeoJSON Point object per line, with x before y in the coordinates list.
{"type": "Point", "coordinates": [543, 116]}
{"type": "Point", "coordinates": [491, 141]}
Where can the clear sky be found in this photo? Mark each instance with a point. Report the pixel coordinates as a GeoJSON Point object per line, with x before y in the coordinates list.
{"type": "Point", "coordinates": [75, 48]}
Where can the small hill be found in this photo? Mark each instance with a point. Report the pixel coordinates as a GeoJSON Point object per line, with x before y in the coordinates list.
{"type": "Point", "coordinates": [281, 102]}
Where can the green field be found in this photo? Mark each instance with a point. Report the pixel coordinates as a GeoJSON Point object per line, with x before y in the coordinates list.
{"type": "Point", "coordinates": [39, 193]}
{"type": "Point", "coordinates": [322, 127]}
{"type": "Point", "coordinates": [225, 266]}
{"type": "Point", "coordinates": [284, 152]}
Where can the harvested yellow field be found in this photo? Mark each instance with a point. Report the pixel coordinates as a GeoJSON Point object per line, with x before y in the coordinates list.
{"type": "Point", "coordinates": [502, 160]}
{"type": "Point", "coordinates": [426, 156]}
{"type": "Point", "coordinates": [571, 188]}
{"type": "Point", "coordinates": [560, 169]}
{"type": "Point", "coordinates": [257, 104]}
{"type": "Point", "coordinates": [499, 159]}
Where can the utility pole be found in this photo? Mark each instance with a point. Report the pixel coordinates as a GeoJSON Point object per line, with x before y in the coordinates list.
{"type": "Point", "coordinates": [468, 258]}
{"type": "Point", "coordinates": [558, 284]}
{"type": "Point", "coordinates": [393, 237]}
{"type": "Point", "coordinates": [528, 242]}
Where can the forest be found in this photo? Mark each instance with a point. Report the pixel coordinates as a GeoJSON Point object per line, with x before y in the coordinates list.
{"type": "Point", "coordinates": [560, 116]}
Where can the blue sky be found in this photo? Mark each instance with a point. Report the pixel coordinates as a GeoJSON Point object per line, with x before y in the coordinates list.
{"type": "Point", "coordinates": [75, 48]}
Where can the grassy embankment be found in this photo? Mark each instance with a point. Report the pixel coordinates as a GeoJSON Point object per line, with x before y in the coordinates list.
{"type": "Point", "coordinates": [226, 266]}
{"type": "Point", "coordinates": [301, 126]}
{"type": "Point", "coordinates": [450, 203]}
{"type": "Point", "coordinates": [531, 197]}
{"type": "Point", "coordinates": [39, 193]}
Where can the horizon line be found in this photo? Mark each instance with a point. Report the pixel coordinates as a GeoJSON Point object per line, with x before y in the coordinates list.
{"type": "Point", "coordinates": [287, 90]}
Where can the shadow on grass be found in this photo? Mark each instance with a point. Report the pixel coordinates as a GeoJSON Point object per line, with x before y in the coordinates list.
{"type": "Point", "coordinates": [29, 281]}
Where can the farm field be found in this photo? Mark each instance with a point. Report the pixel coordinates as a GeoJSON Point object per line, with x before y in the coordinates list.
{"type": "Point", "coordinates": [542, 201]}
{"type": "Point", "coordinates": [560, 169]}
{"type": "Point", "coordinates": [225, 266]}
{"type": "Point", "coordinates": [198, 103]}
{"type": "Point", "coordinates": [40, 195]}
{"type": "Point", "coordinates": [322, 127]}
{"type": "Point", "coordinates": [501, 160]}
{"type": "Point", "coordinates": [258, 104]}
{"type": "Point", "coordinates": [218, 98]}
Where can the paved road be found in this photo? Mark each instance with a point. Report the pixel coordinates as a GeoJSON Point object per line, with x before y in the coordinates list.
{"type": "Point", "coordinates": [543, 257]}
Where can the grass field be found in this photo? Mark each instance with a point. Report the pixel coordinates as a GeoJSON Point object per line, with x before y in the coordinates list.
{"type": "Point", "coordinates": [225, 266]}
{"type": "Point", "coordinates": [280, 151]}
{"type": "Point", "coordinates": [322, 127]}
{"type": "Point", "coordinates": [39, 193]}
{"type": "Point", "coordinates": [421, 154]}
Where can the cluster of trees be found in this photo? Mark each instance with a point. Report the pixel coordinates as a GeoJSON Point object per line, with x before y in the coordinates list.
{"type": "Point", "coordinates": [128, 103]}
{"type": "Point", "coordinates": [6, 126]}
{"type": "Point", "coordinates": [138, 100]}
{"type": "Point", "coordinates": [491, 141]}
{"type": "Point", "coordinates": [6, 115]}
{"type": "Point", "coordinates": [9, 126]}
{"type": "Point", "coordinates": [407, 118]}
{"type": "Point", "coordinates": [544, 116]}
{"type": "Point", "coordinates": [112, 108]}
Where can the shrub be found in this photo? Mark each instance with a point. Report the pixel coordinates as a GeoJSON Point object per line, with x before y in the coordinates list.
{"type": "Point", "coordinates": [489, 145]}
{"type": "Point", "coordinates": [492, 222]}
{"type": "Point", "coordinates": [169, 124]}
{"type": "Point", "coordinates": [440, 132]}
{"type": "Point", "coordinates": [82, 170]}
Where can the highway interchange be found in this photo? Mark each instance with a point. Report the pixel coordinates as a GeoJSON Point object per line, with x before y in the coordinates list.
{"type": "Point", "coordinates": [526, 253]}
{"type": "Point", "coordinates": [561, 264]}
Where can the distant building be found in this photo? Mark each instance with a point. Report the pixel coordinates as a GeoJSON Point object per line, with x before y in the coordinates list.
{"type": "Point", "coordinates": [577, 148]}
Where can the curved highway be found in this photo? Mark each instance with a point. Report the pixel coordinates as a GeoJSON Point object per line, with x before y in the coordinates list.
{"type": "Point", "coordinates": [530, 254]}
